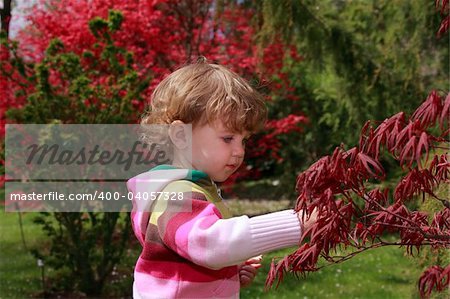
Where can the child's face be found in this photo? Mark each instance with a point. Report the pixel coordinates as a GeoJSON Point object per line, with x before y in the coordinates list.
{"type": "Point", "coordinates": [217, 151]}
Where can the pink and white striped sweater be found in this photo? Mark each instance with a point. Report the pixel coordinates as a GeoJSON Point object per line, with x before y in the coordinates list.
{"type": "Point", "coordinates": [191, 247]}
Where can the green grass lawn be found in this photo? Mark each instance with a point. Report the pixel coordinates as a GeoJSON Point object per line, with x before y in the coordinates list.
{"type": "Point", "coordinates": [381, 273]}
{"type": "Point", "coordinates": [19, 274]}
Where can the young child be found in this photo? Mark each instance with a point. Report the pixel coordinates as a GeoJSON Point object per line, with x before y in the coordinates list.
{"type": "Point", "coordinates": [192, 247]}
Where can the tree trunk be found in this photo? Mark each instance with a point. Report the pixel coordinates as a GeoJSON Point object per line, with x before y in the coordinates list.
{"type": "Point", "coordinates": [5, 14]}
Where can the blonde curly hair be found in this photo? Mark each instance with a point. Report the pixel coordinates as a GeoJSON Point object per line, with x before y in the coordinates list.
{"type": "Point", "coordinates": [201, 93]}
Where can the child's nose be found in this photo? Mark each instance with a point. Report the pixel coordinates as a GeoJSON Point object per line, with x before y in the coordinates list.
{"type": "Point", "coordinates": [239, 151]}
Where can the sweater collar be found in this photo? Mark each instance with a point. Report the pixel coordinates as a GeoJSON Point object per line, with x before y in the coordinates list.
{"type": "Point", "coordinates": [193, 175]}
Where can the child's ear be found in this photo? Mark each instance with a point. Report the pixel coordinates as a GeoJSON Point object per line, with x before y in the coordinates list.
{"type": "Point", "coordinates": [178, 134]}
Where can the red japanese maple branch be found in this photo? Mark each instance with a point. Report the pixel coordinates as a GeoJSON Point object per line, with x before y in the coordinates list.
{"type": "Point", "coordinates": [330, 185]}
{"type": "Point", "coordinates": [339, 259]}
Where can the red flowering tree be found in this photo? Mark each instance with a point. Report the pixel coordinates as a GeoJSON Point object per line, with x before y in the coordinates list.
{"type": "Point", "coordinates": [162, 35]}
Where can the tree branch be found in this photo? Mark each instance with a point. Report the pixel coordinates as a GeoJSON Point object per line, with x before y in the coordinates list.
{"type": "Point", "coordinates": [339, 259]}
{"type": "Point", "coordinates": [425, 235]}
{"type": "Point", "coordinates": [365, 196]}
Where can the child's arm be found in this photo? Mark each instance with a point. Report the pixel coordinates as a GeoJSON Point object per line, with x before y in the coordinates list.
{"type": "Point", "coordinates": [204, 238]}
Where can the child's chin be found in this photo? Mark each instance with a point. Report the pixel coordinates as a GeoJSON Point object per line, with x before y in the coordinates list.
{"type": "Point", "coordinates": [220, 179]}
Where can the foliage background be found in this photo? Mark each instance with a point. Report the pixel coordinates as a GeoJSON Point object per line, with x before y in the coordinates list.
{"type": "Point", "coordinates": [326, 67]}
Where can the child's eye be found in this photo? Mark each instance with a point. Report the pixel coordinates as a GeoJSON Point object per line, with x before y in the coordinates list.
{"type": "Point", "coordinates": [227, 139]}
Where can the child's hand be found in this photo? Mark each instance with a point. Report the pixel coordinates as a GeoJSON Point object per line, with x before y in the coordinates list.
{"type": "Point", "coordinates": [247, 271]}
{"type": "Point", "coordinates": [309, 221]}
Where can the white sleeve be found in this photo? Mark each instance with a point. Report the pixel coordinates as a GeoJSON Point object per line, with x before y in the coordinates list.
{"type": "Point", "coordinates": [231, 241]}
